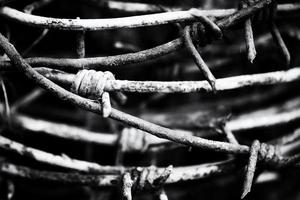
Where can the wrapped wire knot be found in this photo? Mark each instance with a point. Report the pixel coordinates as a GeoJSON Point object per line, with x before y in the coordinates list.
{"type": "Point", "coordinates": [265, 15]}
{"type": "Point", "coordinates": [205, 31]}
{"type": "Point", "coordinates": [265, 153]}
{"type": "Point", "coordinates": [201, 33]}
{"type": "Point", "coordinates": [148, 178]}
{"type": "Point", "coordinates": [91, 84]}
{"type": "Point", "coordinates": [269, 155]}
{"type": "Point", "coordinates": [132, 139]}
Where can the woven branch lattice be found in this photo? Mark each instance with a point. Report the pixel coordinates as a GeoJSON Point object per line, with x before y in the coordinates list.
{"type": "Point", "coordinates": [88, 83]}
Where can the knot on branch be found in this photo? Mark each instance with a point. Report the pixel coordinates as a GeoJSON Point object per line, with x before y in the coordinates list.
{"type": "Point", "coordinates": [267, 14]}
{"type": "Point", "coordinates": [265, 153]}
{"type": "Point", "coordinates": [91, 84]}
{"type": "Point", "coordinates": [205, 31]}
{"type": "Point", "coordinates": [132, 139]}
{"type": "Point", "coordinates": [150, 178]}
{"type": "Point", "coordinates": [269, 155]}
{"type": "Point", "coordinates": [201, 33]}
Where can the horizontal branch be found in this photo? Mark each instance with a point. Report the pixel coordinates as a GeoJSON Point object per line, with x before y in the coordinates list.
{"type": "Point", "coordinates": [222, 84]}
{"type": "Point", "coordinates": [134, 7]}
{"type": "Point", "coordinates": [263, 121]}
{"type": "Point", "coordinates": [114, 23]}
{"type": "Point", "coordinates": [64, 131]}
{"type": "Point", "coordinates": [198, 86]}
{"type": "Point", "coordinates": [58, 177]}
{"type": "Point", "coordinates": [74, 133]}
{"type": "Point", "coordinates": [56, 160]}
{"type": "Point", "coordinates": [258, 118]}
{"type": "Point", "coordinates": [69, 132]}
{"type": "Point", "coordinates": [98, 63]}
{"type": "Point", "coordinates": [179, 174]}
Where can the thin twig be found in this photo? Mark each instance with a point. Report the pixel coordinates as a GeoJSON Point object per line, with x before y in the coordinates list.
{"type": "Point", "coordinates": [27, 99]}
{"type": "Point", "coordinates": [133, 7]}
{"type": "Point", "coordinates": [36, 5]}
{"type": "Point", "coordinates": [35, 42]}
{"type": "Point", "coordinates": [59, 177]}
{"type": "Point", "coordinates": [250, 45]}
{"type": "Point", "coordinates": [6, 102]}
{"type": "Point", "coordinates": [101, 24]}
{"type": "Point", "coordinates": [56, 160]}
{"type": "Point", "coordinates": [251, 168]}
{"type": "Point", "coordinates": [198, 59]}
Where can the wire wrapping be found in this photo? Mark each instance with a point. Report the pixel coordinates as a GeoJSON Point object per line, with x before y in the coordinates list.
{"type": "Point", "coordinates": [148, 178]}
{"type": "Point", "coordinates": [132, 139]}
{"type": "Point", "coordinates": [266, 15]}
{"type": "Point", "coordinates": [201, 33]}
{"type": "Point", "coordinates": [266, 154]}
{"type": "Point", "coordinates": [91, 84]}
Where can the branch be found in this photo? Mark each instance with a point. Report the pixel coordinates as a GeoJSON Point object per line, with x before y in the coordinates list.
{"type": "Point", "coordinates": [56, 160]}
{"type": "Point", "coordinates": [115, 23]}
{"type": "Point", "coordinates": [222, 84]}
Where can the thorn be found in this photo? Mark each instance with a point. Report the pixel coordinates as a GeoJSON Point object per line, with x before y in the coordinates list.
{"type": "Point", "coordinates": [251, 168]}
{"type": "Point", "coordinates": [198, 59]}
{"type": "Point", "coordinates": [165, 175]}
{"type": "Point", "coordinates": [120, 97]}
{"type": "Point", "coordinates": [250, 44]}
{"type": "Point", "coordinates": [126, 187]}
{"type": "Point", "coordinates": [80, 43]}
{"type": "Point", "coordinates": [105, 103]}
{"type": "Point", "coordinates": [229, 135]}
{"type": "Point", "coordinates": [212, 83]}
{"type": "Point", "coordinates": [279, 41]}
{"type": "Point", "coordinates": [6, 103]}
{"type": "Point", "coordinates": [207, 22]}
{"type": "Point", "coordinates": [161, 195]}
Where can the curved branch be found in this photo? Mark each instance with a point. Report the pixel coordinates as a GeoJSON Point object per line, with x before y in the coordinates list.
{"type": "Point", "coordinates": [58, 177]}
{"type": "Point", "coordinates": [113, 23]}
{"type": "Point", "coordinates": [99, 62]}
{"type": "Point", "coordinates": [179, 174]}
{"type": "Point", "coordinates": [64, 131]}
{"type": "Point", "coordinates": [134, 7]}
{"type": "Point", "coordinates": [56, 160]}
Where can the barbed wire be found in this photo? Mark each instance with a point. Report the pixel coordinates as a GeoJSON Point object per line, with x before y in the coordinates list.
{"type": "Point", "coordinates": [89, 83]}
